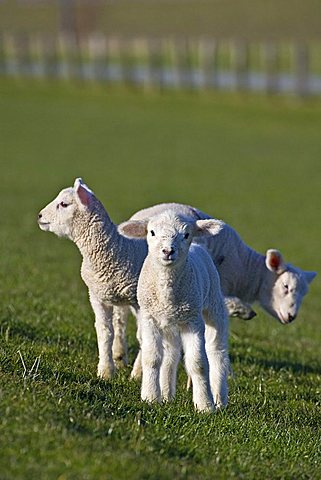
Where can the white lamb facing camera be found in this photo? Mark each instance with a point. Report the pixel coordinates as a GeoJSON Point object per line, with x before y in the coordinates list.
{"type": "Point", "coordinates": [181, 306]}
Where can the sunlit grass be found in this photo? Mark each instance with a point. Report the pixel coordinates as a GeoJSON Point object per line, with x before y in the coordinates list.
{"type": "Point", "coordinates": [251, 162]}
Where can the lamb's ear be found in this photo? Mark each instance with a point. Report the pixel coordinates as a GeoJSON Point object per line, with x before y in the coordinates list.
{"type": "Point", "coordinates": [134, 228]}
{"type": "Point", "coordinates": [208, 227]}
{"type": "Point", "coordinates": [274, 261]}
{"type": "Point", "coordinates": [83, 193]}
{"type": "Point", "coordinates": [309, 276]}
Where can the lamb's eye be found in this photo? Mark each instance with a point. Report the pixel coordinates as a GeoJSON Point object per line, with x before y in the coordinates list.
{"type": "Point", "coordinates": [286, 287]}
{"type": "Point", "coordinates": [186, 236]}
{"type": "Point", "coordinates": [152, 233]}
{"type": "Point", "coordinates": [63, 204]}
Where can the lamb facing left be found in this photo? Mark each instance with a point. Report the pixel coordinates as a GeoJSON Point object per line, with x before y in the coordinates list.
{"type": "Point", "coordinates": [110, 267]}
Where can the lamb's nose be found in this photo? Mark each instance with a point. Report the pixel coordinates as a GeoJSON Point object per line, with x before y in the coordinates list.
{"type": "Point", "coordinates": [291, 318]}
{"type": "Point", "coordinates": [168, 251]}
{"type": "Point", "coordinates": [39, 216]}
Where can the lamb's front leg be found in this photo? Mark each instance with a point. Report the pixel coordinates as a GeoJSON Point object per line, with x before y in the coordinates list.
{"type": "Point", "coordinates": [237, 308]}
{"type": "Point", "coordinates": [120, 318]}
{"type": "Point", "coordinates": [152, 353]}
{"type": "Point", "coordinates": [105, 336]}
{"type": "Point", "coordinates": [168, 371]}
{"type": "Point", "coordinates": [196, 364]}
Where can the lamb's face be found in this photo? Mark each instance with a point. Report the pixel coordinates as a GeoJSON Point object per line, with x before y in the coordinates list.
{"type": "Point", "coordinates": [283, 288]}
{"type": "Point", "coordinates": [169, 239]}
{"type": "Point", "coordinates": [57, 216]}
{"type": "Point", "coordinates": [287, 293]}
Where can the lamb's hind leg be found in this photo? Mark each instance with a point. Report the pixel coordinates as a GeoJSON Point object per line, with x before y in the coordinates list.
{"type": "Point", "coordinates": [168, 371]}
{"type": "Point", "coordinates": [216, 342]}
{"type": "Point", "coordinates": [120, 317]}
{"type": "Point", "coordinates": [152, 353]}
{"type": "Point", "coordinates": [196, 364]}
{"type": "Point", "coordinates": [105, 336]}
{"type": "Point", "coordinates": [136, 373]}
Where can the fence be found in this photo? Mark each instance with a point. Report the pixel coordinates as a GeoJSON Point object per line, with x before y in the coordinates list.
{"type": "Point", "coordinates": [165, 63]}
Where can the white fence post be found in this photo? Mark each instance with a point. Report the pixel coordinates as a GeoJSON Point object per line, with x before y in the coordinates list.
{"type": "Point", "coordinates": [302, 69]}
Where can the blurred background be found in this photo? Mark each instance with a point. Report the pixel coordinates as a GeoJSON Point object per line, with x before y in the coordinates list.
{"type": "Point", "coordinates": [195, 44]}
{"type": "Point", "coordinates": [211, 103]}
{"type": "Point", "coordinates": [214, 103]}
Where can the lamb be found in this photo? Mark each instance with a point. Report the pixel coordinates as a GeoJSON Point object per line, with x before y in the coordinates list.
{"type": "Point", "coordinates": [247, 276]}
{"type": "Point", "coordinates": [179, 288]}
{"type": "Point", "coordinates": [110, 267]}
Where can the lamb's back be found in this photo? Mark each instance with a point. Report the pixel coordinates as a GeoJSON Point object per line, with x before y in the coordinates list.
{"type": "Point", "coordinates": [178, 208]}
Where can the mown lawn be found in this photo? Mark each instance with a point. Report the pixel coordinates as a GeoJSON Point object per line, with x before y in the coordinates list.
{"type": "Point", "coordinates": [249, 160]}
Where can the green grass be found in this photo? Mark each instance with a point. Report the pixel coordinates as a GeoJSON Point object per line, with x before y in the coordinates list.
{"type": "Point", "coordinates": [253, 162]}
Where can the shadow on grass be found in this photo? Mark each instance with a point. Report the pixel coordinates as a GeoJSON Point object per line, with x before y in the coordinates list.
{"type": "Point", "coordinates": [294, 367]}
{"type": "Point", "coordinates": [14, 327]}
{"type": "Point", "coordinates": [276, 364]}
{"type": "Point", "coordinates": [42, 335]}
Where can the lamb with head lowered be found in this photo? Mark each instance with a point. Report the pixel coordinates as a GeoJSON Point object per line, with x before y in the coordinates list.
{"type": "Point", "coordinates": [246, 275]}
{"type": "Point", "coordinates": [181, 305]}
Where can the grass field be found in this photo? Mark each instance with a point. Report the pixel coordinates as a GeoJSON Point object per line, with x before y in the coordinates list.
{"type": "Point", "coordinates": [251, 161]}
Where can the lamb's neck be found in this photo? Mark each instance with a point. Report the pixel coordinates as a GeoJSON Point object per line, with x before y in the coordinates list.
{"type": "Point", "coordinates": [99, 241]}
{"type": "Point", "coordinates": [168, 278]}
{"type": "Point", "coordinates": [252, 273]}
